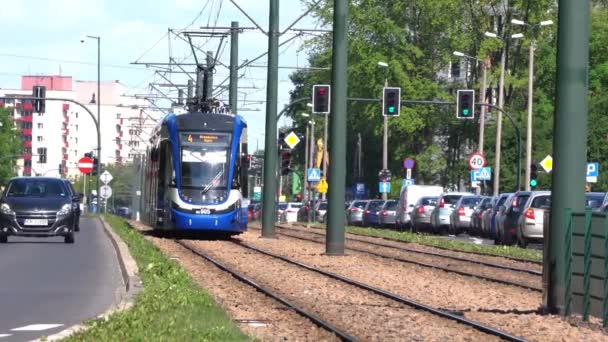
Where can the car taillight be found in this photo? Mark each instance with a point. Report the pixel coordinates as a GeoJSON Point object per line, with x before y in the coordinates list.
{"type": "Point", "coordinates": [442, 203]}
{"type": "Point", "coordinates": [354, 210]}
{"type": "Point", "coordinates": [385, 213]}
{"type": "Point", "coordinates": [306, 208]}
{"type": "Point", "coordinates": [530, 214]}
{"type": "Point", "coordinates": [461, 211]}
{"type": "Point", "coordinates": [480, 214]}
{"type": "Point", "coordinates": [367, 211]}
{"type": "Point", "coordinates": [420, 210]}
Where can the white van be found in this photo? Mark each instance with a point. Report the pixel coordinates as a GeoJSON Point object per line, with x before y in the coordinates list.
{"type": "Point", "coordinates": [407, 199]}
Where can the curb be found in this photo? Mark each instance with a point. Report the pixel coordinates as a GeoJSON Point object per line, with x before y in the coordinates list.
{"type": "Point", "coordinates": [123, 297]}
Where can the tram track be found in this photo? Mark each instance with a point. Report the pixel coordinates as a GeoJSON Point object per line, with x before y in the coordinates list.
{"type": "Point", "coordinates": [422, 264]}
{"type": "Point", "coordinates": [443, 314]}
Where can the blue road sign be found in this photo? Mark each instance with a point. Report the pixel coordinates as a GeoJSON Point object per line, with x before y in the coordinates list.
{"type": "Point", "coordinates": [408, 163]}
{"type": "Point", "coordinates": [314, 175]}
{"type": "Point", "coordinates": [593, 170]}
{"type": "Point", "coordinates": [408, 182]}
{"type": "Point", "coordinates": [483, 174]}
{"type": "Point", "coordinates": [360, 189]}
{"type": "Point", "coordinates": [385, 187]}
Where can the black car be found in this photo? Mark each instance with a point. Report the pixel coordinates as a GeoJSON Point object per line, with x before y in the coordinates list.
{"type": "Point", "coordinates": [37, 206]}
{"type": "Point", "coordinates": [76, 198]}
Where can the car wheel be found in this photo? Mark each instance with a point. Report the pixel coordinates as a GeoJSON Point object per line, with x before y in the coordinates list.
{"type": "Point", "coordinates": [522, 241]}
{"type": "Point", "coordinates": [77, 227]}
{"type": "Point", "coordinates": [69, 238]}
{"type": "Point", "coordinates": [3, 238]}
{"type": "Point", "coordinates": [413, 227]}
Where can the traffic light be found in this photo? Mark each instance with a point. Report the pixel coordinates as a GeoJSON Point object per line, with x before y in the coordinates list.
{"type": "Point", "coordinates": [465, 104]}
{"type": "Point", "coordinates": [533, 176]}
{"type": "Point", "coordinates": [321, 99]}
{"type": "Point", "coordinates": [281, 142]}
{"type": "Point", "coordinates": [95, 166]}
{"type": "Point", "coordinates": [39, 105]}
{"type": "Point", "coordinates": [285, 162]}
{"type": "Point", "coordinates": [391, 101]}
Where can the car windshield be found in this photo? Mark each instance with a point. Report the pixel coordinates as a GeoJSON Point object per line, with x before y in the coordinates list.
{"type": "Point", "coordinates": [521, 201]}
{"type": "Point", "coordinates": [451, 199]}
{"type": "Point", "coordinates": [295, 205]}
{"type": "Point", "coordinates": [36, 188]}
{"type": "Point", "coordinates": [374, 205]}
{"type": "Point", "coordinates": [391, 205]}
{"type": "Point", "coordinates": [469, 201]}
{"type": "Point", "coordinates": [428, 201]}
{"type": "Point", "coordinates": [540, 201]}
{"type": "Point", "coordinates": [205, 165]}
{"type": "Point", "coordinates": [282, 206]}
{"type": "Point", "coordinates": [359, 204]}
{"type": "Point", "coordinates": [323, 206]}
{"type": "Point", "coordinates": [501, 201]}
{"type": "Point", "coordinates": [594, 201]}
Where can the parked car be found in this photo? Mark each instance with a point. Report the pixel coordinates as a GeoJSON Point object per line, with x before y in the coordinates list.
{"type": "Point", "coordinates": [477, 216]}
{"type": "Point", "coordinates": [440, 216]}
{"type": "Point", "coordinates": [460, 218]}
{"type": "Point", "coordinates": [408, 197]}
{"type": "Point", "coordinates": [290, 213]}
{"type": "Point", "coordinates": [38, 207]}
{"type": "Point", "coordinates": [530, 225]}
{"type": "Point", "coordinates": [489, 226]}
{"type": "Point", "coordinates": [420, 217]}
{"type": "Point", "coordinates": [387, 213]}
{"type": "Point", "coordinates": [372, 213]}
{"type": "Point", "coordinates": [254, 211]}
{"type": "Point", "coordinates": [321, 211]}
{"type": "Point", "coordinates": [280, 209]}
{"type": "Point", "coordinates": [354, 213]}
{"type": "Point", "coordinates": [124, 212]}
{"type": "Point", "coordinates": [507, 221]}
{"type": "Point", "coordinates": [76, 199]}
{"type": "Point", "coordinates": [594, 200]}
{"type": "Point", "coordinates": [305, 211]}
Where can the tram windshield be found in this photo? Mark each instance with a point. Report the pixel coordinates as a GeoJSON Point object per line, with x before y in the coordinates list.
{"type": "Point", "coordinates": [205, 165]}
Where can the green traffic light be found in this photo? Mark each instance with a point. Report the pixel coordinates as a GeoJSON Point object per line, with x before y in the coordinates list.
{"type": "Point", "coordinates": [465, 112]}
{"type": "Point", "coordinates": [533, 182]}
{"type": "Point", "coordinates": [391, 109]}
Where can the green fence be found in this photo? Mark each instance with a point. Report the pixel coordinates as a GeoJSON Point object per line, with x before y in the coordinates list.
{"type": "Point", "coordinates": [586, 260]}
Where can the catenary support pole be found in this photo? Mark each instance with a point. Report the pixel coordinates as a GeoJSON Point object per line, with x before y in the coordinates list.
{"type": "Point", "coordinates": [529, 125]}
{"type": "Point", "coordinates": [270, 147]}
{"type": "Point", "coordinates": [385, 144]}
{"type": "Point", "coordinates": [569, 135]}
{"type": "Point", "coordinates": [482, 112]}
{"type": "Point", "coordinates": [334, 244]}
{"type": "Point", "coordinates": [234, 64]}
{"type": "Point", "coordinates": [501, 101]}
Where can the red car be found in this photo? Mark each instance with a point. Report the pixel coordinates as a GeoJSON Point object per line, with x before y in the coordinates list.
{"type": "Point", "coordinates": [254, 211]}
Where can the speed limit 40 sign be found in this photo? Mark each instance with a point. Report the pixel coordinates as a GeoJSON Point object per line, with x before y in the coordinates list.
{"type": "Point", "coordinates": [477, 161]}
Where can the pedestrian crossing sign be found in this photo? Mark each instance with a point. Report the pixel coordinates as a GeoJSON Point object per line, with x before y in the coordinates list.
{"type": "Point", "coordinates": [314, 175]}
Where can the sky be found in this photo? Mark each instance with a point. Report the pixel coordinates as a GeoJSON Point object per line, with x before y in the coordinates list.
{"type": "Point", "coordinates": [43, 37]}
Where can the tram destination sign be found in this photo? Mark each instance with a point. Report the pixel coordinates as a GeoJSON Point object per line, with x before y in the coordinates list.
{"type": "Point", "coordinates": [205, 138]}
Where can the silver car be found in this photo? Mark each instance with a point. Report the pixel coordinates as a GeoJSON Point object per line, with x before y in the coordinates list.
{"type": "Point", "coordinates": [530, 225]}
{"type": "Point", "coordinates": [460, 219]}
{"type": "Point", "coordinates": [321, 211]}
{"type": "Point", "coordinates": [388, 214]}
{"type": "Point", "coordinates": [421, 214]}
{"type": "Point", "coordinates": [354, 213]}
{"type": "Point", "coordinates": [440, 216]}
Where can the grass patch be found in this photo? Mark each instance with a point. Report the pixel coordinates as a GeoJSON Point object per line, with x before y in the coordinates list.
{"type": "Point", "coordinates": [171, 307]}
{"type": "Point", "coordinates": [436, 241]}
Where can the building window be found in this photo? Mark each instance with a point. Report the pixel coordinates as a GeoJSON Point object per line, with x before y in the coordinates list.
{"type": "Point", "coordinates": [42, 155]}
{"type": "Point", "coordinates": [40, 125]}
{"type": "Point", "coordinates": [39, 138]}
{"type": "Point", "coordinates": [118, 116]}
{"type": "Point", "coordinates": [27, 163]}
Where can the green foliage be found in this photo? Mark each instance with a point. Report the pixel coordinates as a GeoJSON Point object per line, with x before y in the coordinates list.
{"type": "Point", "coordinates": [171, 306]}
{"type": "Point", "coordinates": [10, 146]}
{"type": "Point", "coordinates": [123, 183]}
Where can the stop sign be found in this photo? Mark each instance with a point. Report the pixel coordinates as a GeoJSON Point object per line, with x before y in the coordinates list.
{"type": "Point", "coordinates": [85, 165]}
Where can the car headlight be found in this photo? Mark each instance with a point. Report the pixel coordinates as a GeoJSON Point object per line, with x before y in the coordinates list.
{"type": "Point", "coordinates": [6, 209]}
{"type": "Point", "coordinates": [65, 210]}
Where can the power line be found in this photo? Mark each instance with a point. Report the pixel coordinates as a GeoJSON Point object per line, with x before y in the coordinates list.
{"type": "Point", "coordinates": [71, 61]}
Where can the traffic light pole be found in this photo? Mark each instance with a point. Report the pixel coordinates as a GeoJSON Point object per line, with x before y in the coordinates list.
{"type": "Point", "coordinates": [385, 144]}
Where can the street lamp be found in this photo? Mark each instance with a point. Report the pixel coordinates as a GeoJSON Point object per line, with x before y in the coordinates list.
{"type": "Point", "coordinates": [501, 96]}
{"type": "Point", "coordinates": [482, 116]}
{"type": "Point", "coordinates": [533, 28]}
{"type": "Point", "coordinates": [385, 136]}
{"type": "Point", "coordinates": [98, 99]}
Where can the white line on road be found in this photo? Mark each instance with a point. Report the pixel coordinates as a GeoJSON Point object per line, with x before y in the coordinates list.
{"type": "Point", "coordinates": [37, 327]}
{"type": "Point", "coordinates": [5, 335]}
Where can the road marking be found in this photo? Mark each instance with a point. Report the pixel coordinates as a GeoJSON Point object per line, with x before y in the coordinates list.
{"type": "Point", "coordinates": [5, 335]}
{"type": "Point", "coordinates": [37, 327]}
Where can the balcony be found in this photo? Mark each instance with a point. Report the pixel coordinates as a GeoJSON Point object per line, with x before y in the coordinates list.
{"type": "Point", "coordinates": [66, 144]}
{"type": "Point", "coordinates": [66, 119]}
{"type": "Point", "coordinates": [65, 156]}
{"type": "Point", "coordinates": [27, 171]}
{"type": "Point", "coordinates": [28, 106]}
{"type": "Point", "coordinates": [27, 156]}
{"type": "Point", "coordinates": [66, 131]}
{"type": "Point", "coordinates": [27, 118]}
{"type": "Point", "coordinates": [27, 144]}
{"type": "Point", "coordinates": [66, 107]}
{"type": "Point", "coordinates": [26, 131]}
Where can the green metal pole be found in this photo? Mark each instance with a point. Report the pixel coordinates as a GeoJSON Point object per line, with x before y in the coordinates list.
{"type": "Point", "coordinates": [334, 244]}
{"type": "Point", "coordinates": [234, 61]}
{"type": "Point", "coordinates": [210, 66]}
{"type": "Point", "coordinates": [270, 147]}
{"type": "Point", "coordinates": [98, 185]}
{"type": "Point", "coordinates": [570, 135]}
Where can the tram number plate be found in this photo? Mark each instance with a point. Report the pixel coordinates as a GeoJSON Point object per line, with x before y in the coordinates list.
{"type": "Point", "coordinates": [203, 211]}
{"type": "Point", "coordinates": [35, 222]}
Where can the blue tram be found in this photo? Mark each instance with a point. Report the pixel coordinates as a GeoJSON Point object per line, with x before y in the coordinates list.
{"type": "Point", "coordinates": [194, 174]}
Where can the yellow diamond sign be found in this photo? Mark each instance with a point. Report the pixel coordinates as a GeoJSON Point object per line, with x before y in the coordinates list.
{"type": "Point", "coordinates": [322, 186]}
{"type": "Point", "coordinates": [292, 140]}
{"type": "Point", "coordinates": [547, 163]}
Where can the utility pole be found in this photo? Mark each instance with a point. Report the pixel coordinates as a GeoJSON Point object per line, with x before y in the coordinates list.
{"type": "Point", "coordinates": [501, 100]}
{"type": "Point", "coordinates": [270, 147]}
{"type": "Point", "coordinates": [234, 61]}
{"type": "Point", "coordinates": [305, 187]}
{"type": "Point", "coordinates": [569, 137]}
{"type": "Point", "coordinates": [325, 153]}
{"type": "Point", "coordinates": [529, 125]}
{"type": "Point", "coordinates": [334, 243]}
{"type": "Point", "coordinates": [385, 144]}
{"type": "Point", "coordinates": [311, 149]}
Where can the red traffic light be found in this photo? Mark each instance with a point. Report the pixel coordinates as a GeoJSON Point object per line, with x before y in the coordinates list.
{"type": "Point", "coordinates": [321, 98]}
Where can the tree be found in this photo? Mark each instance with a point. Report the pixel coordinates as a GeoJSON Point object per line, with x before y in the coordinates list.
{"type": "Point", "coordinates": [10, 146]}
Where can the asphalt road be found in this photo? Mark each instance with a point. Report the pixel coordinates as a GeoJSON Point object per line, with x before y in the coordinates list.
{"type": "Point", "coordinates": [47, 285]}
